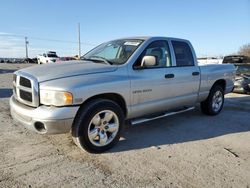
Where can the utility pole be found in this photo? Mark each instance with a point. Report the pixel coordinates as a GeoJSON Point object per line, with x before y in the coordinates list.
{"type": "Point", "coordinates": [26, 47]}
{"type": "Point", "coordinates": [79, 41]}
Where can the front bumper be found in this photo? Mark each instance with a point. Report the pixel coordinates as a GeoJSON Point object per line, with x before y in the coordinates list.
{"type": "Point", "coordinates": [43, 119]}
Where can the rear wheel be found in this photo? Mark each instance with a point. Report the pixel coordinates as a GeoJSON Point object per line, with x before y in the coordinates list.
{"type": "Point", "coordinates": [97, 126]}
{"type": "Point", "coordinates": [215, 101]}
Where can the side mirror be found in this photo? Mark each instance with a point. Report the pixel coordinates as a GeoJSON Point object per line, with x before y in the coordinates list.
{"type": "Point", "coordinates": [148, 61]}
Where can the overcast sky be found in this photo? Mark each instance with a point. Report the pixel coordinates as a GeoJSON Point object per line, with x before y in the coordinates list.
{"type": "Point", "coordinates": [215, 27]}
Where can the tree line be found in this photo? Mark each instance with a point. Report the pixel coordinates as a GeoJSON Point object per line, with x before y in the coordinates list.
{"type": "Point", "coordinates": [245, 50]}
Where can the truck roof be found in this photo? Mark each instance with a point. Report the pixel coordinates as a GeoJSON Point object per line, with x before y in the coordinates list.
{"type": "Point", "coordinates": [151, 37]}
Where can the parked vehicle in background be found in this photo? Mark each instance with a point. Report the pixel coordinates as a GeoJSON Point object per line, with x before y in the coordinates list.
{"type": "Point", "coordinates": [236, 59]}
{"type": "Point", "coordinates": [242, 80]}
{"type": "Point", "coordinates": [209, 60]}
{"type": "Point", "coordinates": [18, 60]}
{"type": "Point", "coordinates": [126, 79]}
{"type": "Point", "coordinates": [65, 59]}
{"type": "Point", "coordinates": [29, 60]}
{"type": "Point", "coordinates": [49, 57]}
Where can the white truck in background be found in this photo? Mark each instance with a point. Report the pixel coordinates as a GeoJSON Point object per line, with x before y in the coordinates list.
{"type": "Point", "coordinates": [209, 60]}
{"type": "Point", "coordinates": [48, 57]}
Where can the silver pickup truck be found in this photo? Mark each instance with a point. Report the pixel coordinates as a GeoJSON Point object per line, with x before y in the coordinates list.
{"type": "Point", "coordinates": [127, 80]}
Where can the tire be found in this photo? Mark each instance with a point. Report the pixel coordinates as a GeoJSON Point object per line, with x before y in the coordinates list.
{"type": "Point", "coordinates": [97, 126]}
{"type": "Point", "coordinates": [215, 101]}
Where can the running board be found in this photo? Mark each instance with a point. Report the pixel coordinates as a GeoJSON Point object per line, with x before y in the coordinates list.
{"type": "Point", "coordinates": [142, 120]}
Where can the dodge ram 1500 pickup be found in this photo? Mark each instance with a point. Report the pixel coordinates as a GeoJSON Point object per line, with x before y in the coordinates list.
{"type": "Point", "coordinates": [132, 79]}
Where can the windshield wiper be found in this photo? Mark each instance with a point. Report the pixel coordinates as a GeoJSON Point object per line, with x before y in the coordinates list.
{"type": "Point", "coordinates": [98, 58]}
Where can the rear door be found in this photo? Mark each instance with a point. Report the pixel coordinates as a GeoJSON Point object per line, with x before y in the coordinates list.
{"type": "Point", "coordinates": [186, 74]}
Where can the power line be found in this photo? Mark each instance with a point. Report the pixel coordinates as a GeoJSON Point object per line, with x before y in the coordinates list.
{"type": "Point", "coordinates": [47, 39]}
{"type": "Point", "coordinates": [11, 35]}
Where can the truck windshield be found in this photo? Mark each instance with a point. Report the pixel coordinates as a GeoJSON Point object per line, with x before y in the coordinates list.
{"type": "Point", "coordinates": [114, 52]}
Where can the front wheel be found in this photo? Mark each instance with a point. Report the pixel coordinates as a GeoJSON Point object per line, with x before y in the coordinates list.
{"type": "Point", "coordinates": [214, 103]}
{"type": "Point", "coordinates": [97, 126]}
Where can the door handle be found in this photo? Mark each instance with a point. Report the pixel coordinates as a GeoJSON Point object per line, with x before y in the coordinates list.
{"type": "Point", "coordinates": [195, 73]}
{"type": "Point", "coordinates": [167, 76]}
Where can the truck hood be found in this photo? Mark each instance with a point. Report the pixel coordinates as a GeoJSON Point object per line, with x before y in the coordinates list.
{"type": "Point", "coordinates": [67, 69]}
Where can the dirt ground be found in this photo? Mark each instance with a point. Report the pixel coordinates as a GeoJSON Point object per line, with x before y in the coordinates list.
{"type": "Point", "coordinates": [185, 150]}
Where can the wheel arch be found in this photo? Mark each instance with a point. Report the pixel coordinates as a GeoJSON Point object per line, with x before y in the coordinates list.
{"type": "Point", "coordinates": [117, 98]}
{"type": "Point", "coordinates": [205, 105]}
{"type": "Point", "coordinates": [220, 82]}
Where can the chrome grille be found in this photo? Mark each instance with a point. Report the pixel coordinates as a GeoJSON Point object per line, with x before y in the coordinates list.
{"type": "Point", "coordinates": [25, 95]}
{"type": "Point", "coordinates": [25, 82]}
{"type": "Point", "coordinates": [25, 89]}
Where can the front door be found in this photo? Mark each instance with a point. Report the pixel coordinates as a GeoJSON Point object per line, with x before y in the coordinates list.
{"type": "Point", "coordinates": [149, 85]}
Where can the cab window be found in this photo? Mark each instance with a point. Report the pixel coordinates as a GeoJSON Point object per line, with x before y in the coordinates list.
{"type": "Point", "coordinates": [160, 50]}
{"type": "Point", "coordinates": [183, 54]}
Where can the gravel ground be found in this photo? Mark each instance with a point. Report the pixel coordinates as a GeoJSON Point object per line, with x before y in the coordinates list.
{"type": "Point", "coordinates": [185, 150]}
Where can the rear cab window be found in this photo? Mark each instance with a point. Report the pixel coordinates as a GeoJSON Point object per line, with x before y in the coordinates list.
{"type": "Point", "coordinates": [183, 54]}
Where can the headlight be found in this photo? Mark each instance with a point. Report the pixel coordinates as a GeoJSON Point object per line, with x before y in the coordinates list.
{"type": "Point", "coordinates": [55, 98]}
